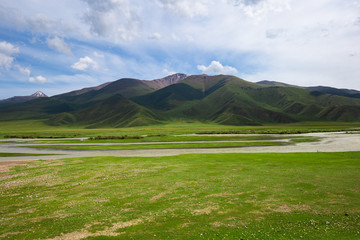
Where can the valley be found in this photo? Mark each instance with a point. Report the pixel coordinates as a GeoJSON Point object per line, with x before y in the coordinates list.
{"type": "Point", "coordinates": [179, 119]}
{"type": "Point", "coordinates": [184, 157]}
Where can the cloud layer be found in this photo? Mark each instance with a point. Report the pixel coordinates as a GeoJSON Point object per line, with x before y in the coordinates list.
{"type": "Point", "coordinates": [7, 52]}
{"type": "Point", "coordinates": [38, 79]}
{"type": "Point", "coordinates": [112, 18]}
{"type": "Point", "coordinates": [85, 63]}
{"type": "Point", "coordinates": [216, 67]}
{"type": "Point", "coordinates": [59, 45]}
{"type": "Point", "coordinates": [94, 41]}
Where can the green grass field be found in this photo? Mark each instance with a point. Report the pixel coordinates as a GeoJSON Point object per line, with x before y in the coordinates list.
{"type": "Point", "coordinates": [37, 128]}
{"type": "Point", "coordinates": [204, 196]}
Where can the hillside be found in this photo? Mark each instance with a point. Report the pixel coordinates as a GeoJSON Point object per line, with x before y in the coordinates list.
{"type": "Point", "coordinates": [318, 90]}
{"type": "Point", "coordinates": [116, 111]}
{"type": "Point", "coordinates": [19, 99]}
{"type": "Point", "coordinates": [335, 91]}
{"type": "Point", "coordinates": [221, 99]}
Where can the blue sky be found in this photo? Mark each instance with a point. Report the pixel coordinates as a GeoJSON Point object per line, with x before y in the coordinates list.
{"type": "Point", "coordinates": [59, 46]}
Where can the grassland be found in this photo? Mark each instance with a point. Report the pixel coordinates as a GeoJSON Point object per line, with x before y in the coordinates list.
{"type": "Point", "coordinates": [214, 196]}
{"type": "Point", "coordinates": [38, 129]}
{"type": "Point", "coordinates": [203, 196]}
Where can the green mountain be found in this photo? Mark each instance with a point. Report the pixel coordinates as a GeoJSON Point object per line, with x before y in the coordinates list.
{"type": "Point", "coordinates": [19, 99]}
{"type": "Point", "coordinates": [222, 99]}
{"type": "Point", "coordinates": [335, 91]}
{"type": "Point", "coordinates": [116, 111]}
{"type": "Point", "coordinates": [317, 90]}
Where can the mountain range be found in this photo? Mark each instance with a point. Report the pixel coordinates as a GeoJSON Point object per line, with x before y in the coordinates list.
{"type": "Point", "coordinates": [19, 99]}
{"type": "Point", "coordinates": [221, 99]}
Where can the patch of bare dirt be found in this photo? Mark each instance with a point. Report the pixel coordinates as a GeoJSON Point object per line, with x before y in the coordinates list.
{"type": "Point", "coordinates": [15, 183]}
{"type": "Point", "coordinates": [206, 210]}
{"type": "Point", "coordinates": [8, 234]}
{"type": "Point", "coordinates": [42, 180]}
{"type": "Point", "coordinates": [5, 166]}
{"type": "Point", "coordinates": [283, 209]}
{"type": "Point", "coordinates": [223, 194]}
{"type": "Point", "coordinates": [7, 176]}
{"type": "Point", "coordinates": [291, 208]}
{"type": "Point", "coordinates": [109, 231]}
{"type": "Point", "coordinates": [158, 196]}
{"type": "Point", "coordinates": [170, 190]}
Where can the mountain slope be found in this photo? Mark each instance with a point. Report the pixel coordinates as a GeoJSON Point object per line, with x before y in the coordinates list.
{"type": "Point", "coordinates": [169, 97]}
{"type": "Point", "coordinates": [115, 111]}
{"type": "Point", "coordinates": [19, 99]}
{"type": "Point", "coordinates": [221, 99]}
{"type": "Point", "coordinates": [84, 98]}
{"type": "Point", "coordinates": [166, 81]}
{"type": "Point", "coordinates": [275, 84]}
{"type": "Point", "coordinates": [39, 108]}
{"type": "Point", "coordinates": [318, 90]}
{"type": "Point", "coordinates": [335, 91]}
{"type": "Point", "coordinates": [230, 100]}
{"type": "Point", "coordinates": [84, 90]}
{"type": "Point", "coordinates": [226, 101]}
{"type": "Point", "coordinates": [127, 87]}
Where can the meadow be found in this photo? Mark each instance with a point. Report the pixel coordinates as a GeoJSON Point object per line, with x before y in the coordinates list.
{"type": "Point", "coordinates": [38, 129]}
{"type": "Point", "coordinates": [189, 196]}
{"type": "Point", "coordinates": [200, 196]}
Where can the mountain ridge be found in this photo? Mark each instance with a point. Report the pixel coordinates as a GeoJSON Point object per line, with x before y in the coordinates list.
{"type": "Point", "coordinates": [19, 99]}
{"type": "Point", "coordinates": [222, 99]}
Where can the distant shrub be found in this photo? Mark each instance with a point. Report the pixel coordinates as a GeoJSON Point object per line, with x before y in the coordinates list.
{"type": "Point", "coordinates": [115, 137]}
{"type": "Point", "coordinates": [30, 136]}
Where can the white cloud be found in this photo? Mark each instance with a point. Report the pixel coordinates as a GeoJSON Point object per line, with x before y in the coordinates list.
{"type": "Point", "coordinates": [275, 33]}
{"type": "Point", "coordinates": [175, 37]}
{"type": "Point", "coordinates": [7, 50]}
{"type": "Point", "coordinates": [300, 42]}
{"type": "Point", "coordinates": [19, 17]}
{"type": "Point", "coordinates": [38, 79]}
{"type": "Point", "coordinates": [5, 61]}
{"type": "Point", "coordinates": [24, 71]}
{"type": "Point", "coordinates": [187, 8]}
{"type": "Point", "coordinates": [167, 72]}
{"type": "Point", "coordinates": [98, 55]}
{"type": "Point", "coordinates": [155, 36]}
{"type": "Point", "coordinates": [259, 8]}
{"type": "Point", "coordinates": [59, 45]}
{"type": "Point", "coordinates": [215, 68]}
{"type": "Point", "coordinates": [41, 23]}
{"type": "Point", "coordinates": [112, 18]}
{"type": "Point", "coordinates": [84, 63]}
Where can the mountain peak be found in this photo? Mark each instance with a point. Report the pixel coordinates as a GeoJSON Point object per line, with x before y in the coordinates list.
{"type": "Point", "coordinates": [19, 99]}
{"type": "Point", "coordinates": [38, 94]}
{"type": "Point", "coordinates": [176, 77]}
{"type": "Point", "coordinates": [169, 80]}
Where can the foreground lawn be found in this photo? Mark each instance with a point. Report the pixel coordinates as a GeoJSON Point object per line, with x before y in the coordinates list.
{"type": "Point", "coordinates": [213, 196]}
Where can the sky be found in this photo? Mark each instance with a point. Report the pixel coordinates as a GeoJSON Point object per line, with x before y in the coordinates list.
{"type": "Point", "coordinates": [60, 46]}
